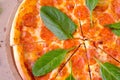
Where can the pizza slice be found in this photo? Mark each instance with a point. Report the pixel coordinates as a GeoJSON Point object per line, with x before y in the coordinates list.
{"type": "Point", "coordinates": [26, 55]}
{"type": "Point", "coordinates": [28, 27]}
{"type": "Point", "coordinates": [96, 52]}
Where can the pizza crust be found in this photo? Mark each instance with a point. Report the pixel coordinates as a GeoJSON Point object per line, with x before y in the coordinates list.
{"type": "Point", "coordinates": [19, 60]}
{"type": "Point", "coordinates": [17, 49]}
{"type": "Point", "coordinates": [15, 34]}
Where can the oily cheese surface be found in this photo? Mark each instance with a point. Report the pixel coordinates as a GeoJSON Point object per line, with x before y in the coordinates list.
{"type": "Point", "coordinates": [31, 39]}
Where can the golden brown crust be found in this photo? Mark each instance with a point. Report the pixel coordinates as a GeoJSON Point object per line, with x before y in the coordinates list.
{"type": "Point", "coordinates": [15, 40]}
{"type": "Point", "coordinates": [14, 32]}
{"type": "Point", "coordinates": [19, 60]}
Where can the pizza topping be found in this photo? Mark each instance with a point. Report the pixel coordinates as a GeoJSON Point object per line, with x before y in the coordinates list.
{"type": "Point", "coordinates": [86, 27]}
{"type": "Point", "coordinates": [91, 4]}
{"type": "Point", "coordinates": [63, 73]}
{"type": "Point", "coordinates": [70, 5]}
{"type": "Point", "coordinates": [91, 53]}
{"type": "Point", "coordinates": [50, 2]}
{"type": "Point", "coordinates": [77, 62]}
{"type": "Point", "coordinates": [94, 32]}
{"type": "Point", "coordinates": [46, 34]}
{"type": "Point", "coordinates": [109, 71]}
{"type": "Point", "coordinates": [70, 43]}
{"type": "Point", "coordinates": [102, 6]}
{"type": "Point", "coordinates": [30, 20]}
{"type": "Point", "coordinates": [116, 7]}
{"type": "Point", "coordinates": [28, 47]}
{"type": "Point", "coordinates": [49, 61]}
{"type": "Point", "coordinates": [81, 12]}
{"type": "Point", "coordinates": [110, 51]}
{"type": "Point", "coordinates": [46, 2]}
{"type": "Point", "coordinates": [57, 22]}
{"type": "Point", "coordinates": [26, 37]}
{"type": "Point", "coordinates": [80, 66]}
{"type": "Point", "coordinates": [115, 28]}
{"type": "Point", "coordinates": [118, 41]}
{"type": "Point", "coordinates": [105, 19]}
{"type": "Point", "coordinates": [106, 35]}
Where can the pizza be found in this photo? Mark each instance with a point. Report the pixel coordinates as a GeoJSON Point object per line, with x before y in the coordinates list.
{"type": "Point", "coordinates": [67, 39]}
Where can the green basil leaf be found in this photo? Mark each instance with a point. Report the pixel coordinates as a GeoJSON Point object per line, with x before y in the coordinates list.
{"type": "Point", "coordinates": [91, 4]}
{"type": "Point", "coordinates": [116, 32]}
{"type": "Point", "coordinates": [57, 22]}
{"type": "Point", "coordinates": [114, 26]}
{"type": "Point", "coordinates": [110, 71]}
{"type": "Point", "coordinates": [49, 61]}
{"type": "Point", "coordinates": [70, 77]}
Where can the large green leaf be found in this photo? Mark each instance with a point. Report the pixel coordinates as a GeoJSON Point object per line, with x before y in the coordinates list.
{"type": "Point", "coordinates": [49, 61]}
{"type": "Point", "coordinates": [110, 71]}
{"type": "Point", "coordinates": [57, 22]}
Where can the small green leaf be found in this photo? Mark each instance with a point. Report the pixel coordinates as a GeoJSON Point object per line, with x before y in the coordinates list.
{"type": "Point", "coordinates": [91, 4]}
{"type": "Point", "coordinates": [116, 32]}
{"type": "Point", "coordinates": [109, 71]}
{"type": "Point", "coordinates": [57, 22]}
{"type": "Point", "coordinates": [114, 26]}
{"type": "Point", "coordinates": [70, 77]}
{"type": "Point", "coordinates": [49, 61]}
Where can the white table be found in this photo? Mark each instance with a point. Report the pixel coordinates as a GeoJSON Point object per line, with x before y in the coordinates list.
{"type": "Point", "coordinates": [8, 7]}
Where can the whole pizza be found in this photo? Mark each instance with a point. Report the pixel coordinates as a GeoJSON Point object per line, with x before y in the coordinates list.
{"type": "Point", "coordinates": [67, 39]}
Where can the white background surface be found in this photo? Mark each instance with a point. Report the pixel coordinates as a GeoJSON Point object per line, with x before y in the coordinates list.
{"type": "Point", "coordinates": [7, 9]}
